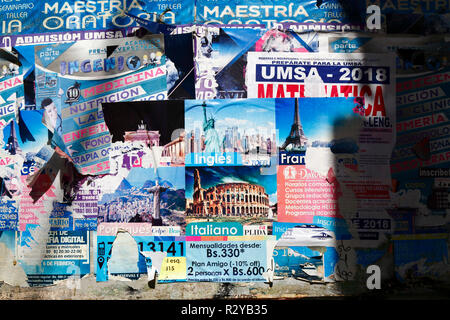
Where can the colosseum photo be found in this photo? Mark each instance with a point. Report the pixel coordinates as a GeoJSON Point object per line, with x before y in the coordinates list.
{"type": "Point", "coordinates": [234, 199]}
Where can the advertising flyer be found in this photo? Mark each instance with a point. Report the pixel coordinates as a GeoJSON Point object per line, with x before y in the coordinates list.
{"type": "Point", "coordinates": [420, 159]}
{"type": "Point", "coordinates": [24, 39]}
{"type": "Point", "coordinates": [318, 141]}
{"type": "Point", "coordinates": [227, 261]}
{"type": "Point", "coordinates": [269, 12]}
{"type": "Point", "coordinates": [11, 160]}
{"type": "Point", "coordinates": [367, 77]}
{"type": "Point", "coordinates": [146, 182]}
{"type": "Point", "coordinates": [123, 253]}
{"type": "Point", "coordinates": [128, 69]}
{"type": "Point", "coordinates": [21, 140]}
{"type": "Point", "coordinates": [28, 17]}
{"type": "Point", "coordinates": [230, 132]}
{"type": "Point", "coordinates": [11, 90]}
{"type": "Point", "coordinates": [306, 252]}
{"type": "Point", "coordinates": [322, 172]}
{"type": "Point", "coordinates": [48, 256]}
{"type": "Point", "coordinates": [153, 131]}
{"type": "Point", "coordinates": [230, 194]}
{"type": "Point", "coordinates": [221, 55]}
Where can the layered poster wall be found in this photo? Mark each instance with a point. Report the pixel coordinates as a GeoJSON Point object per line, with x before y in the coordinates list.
{"type": "Point", "coordinates": [218, 141]}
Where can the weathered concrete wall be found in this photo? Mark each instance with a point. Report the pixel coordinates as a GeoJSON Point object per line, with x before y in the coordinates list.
{"type": "Point", "coordinates": [89, 289]}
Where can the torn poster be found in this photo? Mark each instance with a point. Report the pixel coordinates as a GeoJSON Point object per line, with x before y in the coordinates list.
{"type": "Point", "coordinates": [232, 260]}
{"type": "Point", "coordinates": [18, 145]}
{"type": "Point", "coordinates": [48, 256]}
{"type": "Point", "coordinates": [28, 17]}
{"type": "Point", "coordinates": [11, 272]}
{"type": "Point", "coordinates": [328, 169]}
{"type": "Point", "coordinates": [230, 194]}
{"type": "Point", "coordinates": [84, 207]}
{"type": "Point", "coordinates": [122, 253]}
{"type": "Point", "coordinates": [146, 183]}
{"type": "Point", "coordinates": [31, 212]}
{"type": "Point", "coordinates": [411, 17]}
{"type": "Point", "coordinates": [162, 17]}
{"type": "Point", "coordinates": [421, 158]}
{"type": "Point", "coordinates": [152, 130]}
{"type": "Point", "coordinates": [230, 132]}
{"type": "Point", "coordinates": [308, 252]}
{"type": "Point", "coordinates": [10, 189]}
{"type": "Point", "coordinates": [269, 12]}
{"type": "Point", "coordinates": [121, 69]}
{"type": "Point", "coordinates": [218, 229]}
{"type": "Point", "coordinates": [221, 55]}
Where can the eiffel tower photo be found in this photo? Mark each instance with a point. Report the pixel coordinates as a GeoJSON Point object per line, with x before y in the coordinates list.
{"type": "Point", "coordinates": [296, 141]}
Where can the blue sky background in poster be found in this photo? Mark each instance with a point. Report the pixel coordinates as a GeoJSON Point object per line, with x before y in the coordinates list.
{"type": "Point", "coordinates": [27, 17]}
{"type": "Point", "coordinates": [138, 176]}
{"type": "Point", "coordinates": [422, 113]}
{"type": "Point", "coordinates": [211, 176]}
{"type": "Point", "coordinates": [320, 117]}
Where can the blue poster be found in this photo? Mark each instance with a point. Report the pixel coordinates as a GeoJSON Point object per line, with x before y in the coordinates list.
{"type": "Point", "coordinates": [48, 256]}
{"type": "Point", "coordinates": [28, 17]}
{"type": "Point", "coordinates": [121, 254]}
{"type": "Point", "coordinates": [230, 132]}
{"type": "Point", "coordinates": [226, 261]}
{"type": "Point", "coordinates": [74, 79]}
{"type": "Point", "coordinates": [269, 12]}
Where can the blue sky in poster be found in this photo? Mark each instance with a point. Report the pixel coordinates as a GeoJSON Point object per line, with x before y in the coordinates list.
{"type": "Point", "coordinates": [211, 176]}
{"type": "Point", "coordinates": [33, 120]}
{"type": "Point", "coordinates": [175, 175]}
{"type": "Point", "coordinates": [319, 117]}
